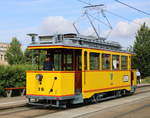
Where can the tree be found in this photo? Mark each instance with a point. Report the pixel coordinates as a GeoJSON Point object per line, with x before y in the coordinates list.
{"type": "Point", "coordinates": [28, 56]}
{"type": "Point", "coordinates": [34, 56]}
{"type": "Point", "coordinates": [141, 48]}
{"type": "Point", "coordinates": [14, 53]}
{"type": "Point", "coordinates": [130, 48]}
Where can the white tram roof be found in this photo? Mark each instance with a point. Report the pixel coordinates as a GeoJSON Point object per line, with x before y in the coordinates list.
{"type": "Point", "coordinates": [74, 40]}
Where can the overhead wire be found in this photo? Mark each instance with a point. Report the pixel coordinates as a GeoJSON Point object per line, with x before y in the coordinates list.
{"type": "Point", "coordinates": [112, 13]}
{"type": "Point", "coordinates": [141, 11]}
{"type": "Point", "coordinates": [84, 2]}
{"type": "Point", "coordinates": [103, 14]}
{"type": "Point", "coordinates": [122, 17]}
{"type": "Point", "coordinates": [129, 20]}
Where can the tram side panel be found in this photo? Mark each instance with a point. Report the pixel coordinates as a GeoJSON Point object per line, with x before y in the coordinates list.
{"type": "Point", "coordinates": [51, 85]}
{"type": "Point", "coordinates": [134, 78]}
{"type": "Point", "coordinates": [67, 84]}
{"type": "Point", "coordinates": [104, 81]}
{"type": "Point", "coordinates": [47, 86]}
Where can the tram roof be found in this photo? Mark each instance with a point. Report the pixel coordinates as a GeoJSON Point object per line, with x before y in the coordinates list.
{"type": "Point", "coordinates": [75, 41]}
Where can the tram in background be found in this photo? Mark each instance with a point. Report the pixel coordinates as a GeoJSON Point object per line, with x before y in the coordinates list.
{"type": "Point", "coordinates": [86, 69]}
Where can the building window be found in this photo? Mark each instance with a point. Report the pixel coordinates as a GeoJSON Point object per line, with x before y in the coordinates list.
{"type": "Point", "coordinates": [94, 61]}
{"type": "Point", "coordinates": [115, 62]}
{"type": "Point", "coordinates": [1, 57]}
{"type": "Point", "coordinates": [124, 62]}
{"type": "Point", "coordinates": [5, 57]}
{"type": "Point", "coordinates": [105, 61]}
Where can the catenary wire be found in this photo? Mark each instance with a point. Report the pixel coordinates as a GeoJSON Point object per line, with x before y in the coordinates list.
{"type": "Point", "coordinates": [141, 11]}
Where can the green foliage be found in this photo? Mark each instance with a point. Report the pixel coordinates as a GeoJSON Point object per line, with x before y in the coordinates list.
{"type": "Point", "coordinates": [142, 50]}
{"type": "Point", "coordinates": [13, 76]}
{"type": "Point", "coordinates": [146, 80]}
{"type": "Point", "coordinates": [14, 53]}
{"type": "Point", "coordinates": [130, 48]}
{"type": "Point", "coordinates": [36, 57]}
{"type": "Point", "coordinates": [28, 56]}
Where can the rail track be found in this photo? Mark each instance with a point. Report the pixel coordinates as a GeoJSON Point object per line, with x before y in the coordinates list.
{"type": "Point", "coordinates": [28, 111]}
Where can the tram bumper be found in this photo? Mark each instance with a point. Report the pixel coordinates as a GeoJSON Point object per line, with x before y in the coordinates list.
{"type": "Point", "coordinates": [50, 97]}
{"type": "Point", "coordinates": [46, 101]}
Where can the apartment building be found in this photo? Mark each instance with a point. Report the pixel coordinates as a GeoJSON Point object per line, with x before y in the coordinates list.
{"type": "Point", "coordinates": [3, 49]}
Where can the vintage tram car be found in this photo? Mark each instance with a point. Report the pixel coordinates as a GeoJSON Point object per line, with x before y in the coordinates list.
{"type": "Point", "coordinates": [86, 69]}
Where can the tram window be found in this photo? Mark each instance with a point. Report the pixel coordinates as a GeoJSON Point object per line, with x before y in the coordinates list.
{"type": "Point", "coordinates": [132, 63]}
{"type": "Point", "coordinates": [57, 61]}
{"type": "Point", "coordinates": [85, 60]}
{"type": "Point", "coordinates": [68, 62]}
{"type": "Point", "coordinates": [124, 62]}
{"type": "Point", "coordinates": [38, 58]}
{"type": "Point", "coordinates": [115, 62]}
{"type": "Point", "coordinates": [79, 63]}
{"type": "Point", "coordinates": [94, 61]}
{"type": "Point", "coordinates": [105, 61]}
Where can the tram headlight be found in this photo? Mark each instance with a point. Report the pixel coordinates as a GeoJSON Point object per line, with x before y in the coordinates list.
{"type": "Point", "coordinates": [39, 77]}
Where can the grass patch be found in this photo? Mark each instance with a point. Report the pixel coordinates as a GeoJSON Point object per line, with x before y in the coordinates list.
{"type": "Point", "coordinates": [146, 80]}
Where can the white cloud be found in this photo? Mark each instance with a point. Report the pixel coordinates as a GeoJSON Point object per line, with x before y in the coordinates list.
{"type": "Point", "coordinates": [124, 32]}
{"type": "Point", "coordinates": [56, 24]}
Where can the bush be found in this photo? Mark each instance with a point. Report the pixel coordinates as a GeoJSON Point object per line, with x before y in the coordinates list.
{"type": "Point", "coordinates": [146, 80]}
{"type": "Point", "coordinates": [13, 76]}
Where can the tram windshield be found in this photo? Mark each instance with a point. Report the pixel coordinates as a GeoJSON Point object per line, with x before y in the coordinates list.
{"type": "Point", "coordinates": [57, 59]}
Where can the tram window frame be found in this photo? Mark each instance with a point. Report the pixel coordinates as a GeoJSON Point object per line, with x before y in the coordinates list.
{"type": "Point", "coordinates": [94, 61]}
{"type": "Point", "coordinates": [85, 61]}
{"type": "Point", "coordinates": [104, 66]}
{"type": "Point", "coordinates": [116, 64]}
{"type": "Point", "coordinates": [124, 63]}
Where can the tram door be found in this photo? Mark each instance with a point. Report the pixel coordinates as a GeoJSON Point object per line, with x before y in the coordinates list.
{"type": "Point", "coordinates": [78, 71]}
{"type": "Point", "coordinates": [132, 78]}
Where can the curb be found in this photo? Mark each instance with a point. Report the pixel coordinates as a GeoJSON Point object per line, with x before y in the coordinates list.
{"type": "Point", "coordinates": [143, 85]}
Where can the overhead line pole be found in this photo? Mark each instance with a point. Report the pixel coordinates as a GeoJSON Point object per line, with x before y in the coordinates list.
{"type": "Point", "coordinates": [92, 25]}
{"type": "Point", "coordinates": [76, 28]}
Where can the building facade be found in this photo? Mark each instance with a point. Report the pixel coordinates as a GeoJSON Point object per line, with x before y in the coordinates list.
{"type": "Point", "coordinates": [3, 49]}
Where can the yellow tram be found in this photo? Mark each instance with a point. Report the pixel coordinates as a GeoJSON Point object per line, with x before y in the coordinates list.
{"type": "Point", "coordinates": [85, 70]}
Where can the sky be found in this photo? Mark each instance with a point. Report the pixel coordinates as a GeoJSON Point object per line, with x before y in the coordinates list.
{"type": "Point", "coordinates": [46, 17]}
